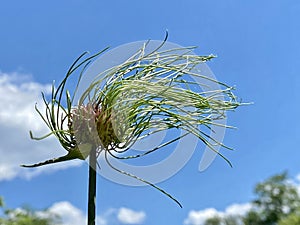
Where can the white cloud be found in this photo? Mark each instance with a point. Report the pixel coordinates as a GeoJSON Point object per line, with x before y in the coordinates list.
{"type": "Point", "coordinates": [199, 217]}
{"type": "Point", "coordinates": [238, 209]}
{"type": "Point", "coordinates": [71, 215]}
{"type": "Point", "coordinates": [18, 95]}
{"type": "Point", "coordinates": [298, 177]}
{"type": "Point", "coordinates": [129, 216]}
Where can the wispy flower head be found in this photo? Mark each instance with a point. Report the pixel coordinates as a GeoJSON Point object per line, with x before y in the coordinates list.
{"type": "Point", "coordinates": [146, 94]}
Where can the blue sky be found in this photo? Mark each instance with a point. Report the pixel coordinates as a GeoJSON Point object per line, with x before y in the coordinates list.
{"type": "Point", "coordinates": [258, 49]}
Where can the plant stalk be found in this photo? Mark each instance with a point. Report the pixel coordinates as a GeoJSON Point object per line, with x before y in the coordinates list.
{"type": "Point", "coordinates": [92, 187]}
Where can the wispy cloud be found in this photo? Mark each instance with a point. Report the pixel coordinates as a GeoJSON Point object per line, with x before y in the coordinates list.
{"type": "Point", "coordinates": [18, 95]}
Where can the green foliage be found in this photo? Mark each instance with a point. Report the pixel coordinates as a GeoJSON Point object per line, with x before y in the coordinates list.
{"type": "Point", "coordinates": [291, 219]}
{"type": "Point", "coordinates": [232, 220]}
{"type": "Point", "coordinates": [1, 202]}
{"type": "Point", "coordinates": [213, 221]}
{"type": "Point", "coordinates": [27, 216]}
{"type": "Point", "coordinates": [253, 218]}
{"type": "Point", "coordinates": [276, 199]}
{"type": "Point", "coordinates": [228, 220]}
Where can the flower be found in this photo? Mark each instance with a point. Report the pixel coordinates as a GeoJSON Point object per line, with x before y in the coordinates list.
{"type": "Point", "coordinates": [146, 94]}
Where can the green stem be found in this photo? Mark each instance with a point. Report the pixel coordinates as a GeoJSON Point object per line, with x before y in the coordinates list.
{"type": "Point", "coordinates": [92, 188]}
